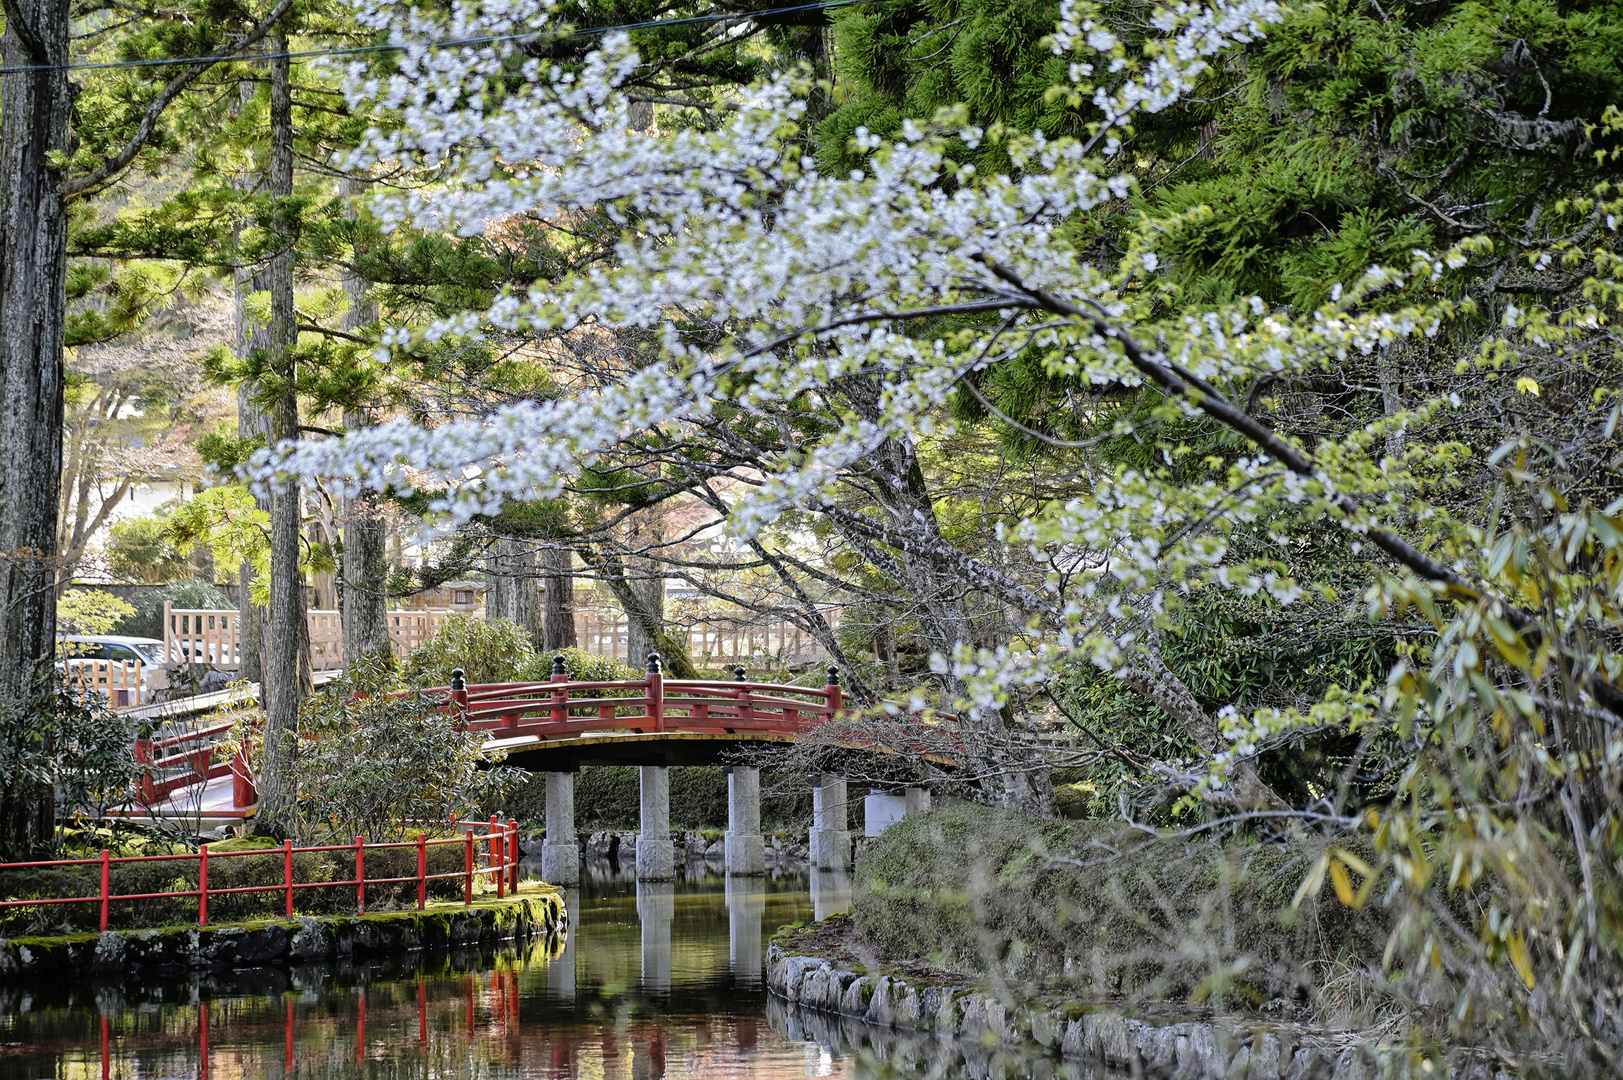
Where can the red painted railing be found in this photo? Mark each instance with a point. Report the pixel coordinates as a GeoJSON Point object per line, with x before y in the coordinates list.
{"type": "Point", "coordinates": [560, 709]}
{"type": "Point", "coordinates": [167, 765]}
{"type": "Point", "coordinates": [492, 853]}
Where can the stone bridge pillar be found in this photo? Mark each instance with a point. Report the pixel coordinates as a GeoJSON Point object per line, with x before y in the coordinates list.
{"type": "Point", "coordinates": [830, 838]}
{"type": "Point", "coordinates": [656, 854]}
{"type": "Point", "coordinates": [745, 847]}
{"type": "Point", "coordinates": [560, 851]}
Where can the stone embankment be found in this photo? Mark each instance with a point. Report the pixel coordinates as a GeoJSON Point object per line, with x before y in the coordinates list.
{"type": "Point", "coordinates": [172, 951]}
{"type": "Point", "coordinates": [1217, 1049]}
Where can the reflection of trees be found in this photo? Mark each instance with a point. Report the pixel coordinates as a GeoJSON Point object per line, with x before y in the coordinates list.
{"type": "Point", "coordinates": [494, 1022]}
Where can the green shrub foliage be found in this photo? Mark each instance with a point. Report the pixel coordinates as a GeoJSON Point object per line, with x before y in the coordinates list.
{"type": "Point", "coordinates": [487, 651]}
{"type": "Point", "coordinates": [1102, 909]}
{"type": "Point", "coordinates": [372, 758]}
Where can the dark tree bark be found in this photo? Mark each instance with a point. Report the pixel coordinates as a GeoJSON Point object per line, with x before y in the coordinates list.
{"type": "Point", "coordinates": [364, 598]}
{"type": "Point", "coordinates": [514, 588]}
{"type": "Point", "coordinates": [558, 621]}
{"type": "Point", "coordinates": [365, 571]}
{"type": "Point", "coordinates": [33, 268]}
{"type": "Point", "coordinates": [252, 423]}
{"type": "Point", "coordinates": [287, 666]}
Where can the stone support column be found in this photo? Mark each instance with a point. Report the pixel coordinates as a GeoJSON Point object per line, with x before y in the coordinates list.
{"type": "Point", "coordinates": [746, 849]}
{"type": "Point", "coordinates": [918, 800]}
{"type": "Point", "coordinates": [560, 851]}
{"type": "Point", "coordinates": [830, 838]}
{"type": "Point", "coordinates": [656, 855]}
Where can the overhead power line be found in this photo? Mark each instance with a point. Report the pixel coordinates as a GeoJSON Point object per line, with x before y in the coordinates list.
{"type": "Point", "coordinates": [448, 43]}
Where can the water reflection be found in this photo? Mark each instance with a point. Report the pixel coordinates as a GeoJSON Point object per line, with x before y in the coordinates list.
{"type": "Point", "coordinates": [653, 980]}
{"type": "Point", "coordinates": [746, 904]}
{"type": "Point", "coordinates": [831, 892]}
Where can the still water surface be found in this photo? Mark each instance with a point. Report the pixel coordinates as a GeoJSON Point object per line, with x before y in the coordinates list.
{"type": "Point", "coordinates": [651, 980]}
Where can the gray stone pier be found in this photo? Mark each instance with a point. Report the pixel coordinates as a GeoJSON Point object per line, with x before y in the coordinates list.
{"type": "Point", "coordinates": [656, 854]}
{"type": "Point", "coordinates": [745, 847]}
{"type": "Point", "coordinates": [560, 851]}
{"type": "Point", "coordinates": [918, 800]}
{"type": "Point", "coordinates": [830, 836]}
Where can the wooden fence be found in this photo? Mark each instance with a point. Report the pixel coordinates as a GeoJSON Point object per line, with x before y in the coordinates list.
{"type": "Point", "coordinates": [211, 637]}
{"type": "Point", "coordinates": [121, 682]}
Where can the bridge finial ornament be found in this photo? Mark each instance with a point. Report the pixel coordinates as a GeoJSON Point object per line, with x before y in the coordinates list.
{"type": "Point", "coordinates": [459, 679]}
{"type": "Point", "coordinates": [653, 662]}
{"type": "Point", "coordinates": [833, 675]}
{"type": "Point", "coordinates": [558, 667]}
{"type": "Point", "coordinates": [739, 673]}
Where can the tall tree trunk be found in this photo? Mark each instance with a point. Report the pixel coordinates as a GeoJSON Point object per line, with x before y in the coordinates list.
{"type": "Point", "coordinates": [35, 99]}
{"type": "Point", "coordinates": [513, 587]}
{"type": "Point", "coordinates": [365, 595]}
{"type": "Point", "coordinates": [287, 642]}
{"type": "Point", "coordinates": [643, 601]}
{"type": "Point", "coordinates": [253, 422]}
{"type": "Point", "coordinates": [558, 622]}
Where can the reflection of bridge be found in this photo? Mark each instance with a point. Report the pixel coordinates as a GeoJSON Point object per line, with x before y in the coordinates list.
{"type": "Point", "coordinates": [556, 727]}
{"type": "Point", "coordinates": [680, 960]}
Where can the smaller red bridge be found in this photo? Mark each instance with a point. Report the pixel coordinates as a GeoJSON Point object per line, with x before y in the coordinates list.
{"type": "Point", "coordinates": [561, 725]}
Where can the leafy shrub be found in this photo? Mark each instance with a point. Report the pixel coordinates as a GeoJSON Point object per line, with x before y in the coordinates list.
{"type": "Point", "coordinates": [144, 550]}
{"type": "Point", "coordinates": [581, 666]}
{"type": "Point", "coordinates": [80, 748]}
{"type": "Point", "coordinates": [487, 650]}
{"type": "Point", "coordinates": [85, 611]}
{"type": "Point", "coordinates": [371, 757]}
{"type": "Point", "coordinates": [1105, 909]}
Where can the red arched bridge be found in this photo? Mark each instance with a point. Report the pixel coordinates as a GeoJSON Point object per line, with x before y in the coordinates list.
{"type": "Point", "coordinates": [558, 726]}
{"type": "Point", "coordinates": [564, 724]}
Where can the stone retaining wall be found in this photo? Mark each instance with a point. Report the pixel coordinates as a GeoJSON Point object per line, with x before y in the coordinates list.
{"type": "Point", "coordinates": [1224, 1049]}
{"type": "Point", "coordinates": [173, 951]}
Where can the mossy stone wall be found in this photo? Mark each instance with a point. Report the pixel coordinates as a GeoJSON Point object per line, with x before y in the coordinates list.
{"type": "Point", "coordinates": [174, 950]}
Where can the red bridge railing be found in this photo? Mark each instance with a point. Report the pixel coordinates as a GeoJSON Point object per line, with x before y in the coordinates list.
{"type": "Point", "coordinates": [562, 709]}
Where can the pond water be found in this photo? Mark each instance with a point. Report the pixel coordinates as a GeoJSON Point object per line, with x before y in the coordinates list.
{"type": "Point", "coordinates": [651, 981]}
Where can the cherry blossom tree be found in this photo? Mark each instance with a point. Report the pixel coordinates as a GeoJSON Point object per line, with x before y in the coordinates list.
{"type": "Point", "coordinates": [762, 282]}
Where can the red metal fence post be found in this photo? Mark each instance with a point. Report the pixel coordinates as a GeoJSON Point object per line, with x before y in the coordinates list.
{"type": "Point", "coordinates": [498, 848]}
{"type": "Point", "coordinates": [203, 886]}
{"type": "Point", "coordinates": [467, 881]}
{"type": "Point", "coordinates": [360, 875]}
{"type": "Point", "coordinates": [513, 852]}
{"type": "Point", "coordinates": [656, 692]}
{"type": "Point", "coordinates": [287, 874]}
{"type": "Point", "coordinates": [422, 870]}
{"type": "Point", "coordinates": [106, 881]}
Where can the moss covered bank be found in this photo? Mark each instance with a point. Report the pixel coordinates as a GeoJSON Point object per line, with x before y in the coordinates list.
{"type": "Point", "coordinates": [171, 951]}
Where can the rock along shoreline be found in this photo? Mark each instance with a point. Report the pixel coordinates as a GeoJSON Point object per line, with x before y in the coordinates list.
{"type": "Point", "coordinates": [1218, 1049]}
{"type": "Point", "coordinates": [166, 952]}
